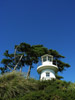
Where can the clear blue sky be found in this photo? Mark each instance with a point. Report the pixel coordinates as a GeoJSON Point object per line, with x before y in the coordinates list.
{"type": "Point", "coordinates": [47, 22]}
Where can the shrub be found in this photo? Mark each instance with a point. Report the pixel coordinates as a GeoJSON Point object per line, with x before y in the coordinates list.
{"type": "Point", "coordinates": [15, 87]}
{"type": "Point", "coordinates": [14, 84]}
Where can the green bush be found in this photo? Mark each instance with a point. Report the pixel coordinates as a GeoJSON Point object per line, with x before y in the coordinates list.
{"type": "Point", "coordinates": [14, 86]}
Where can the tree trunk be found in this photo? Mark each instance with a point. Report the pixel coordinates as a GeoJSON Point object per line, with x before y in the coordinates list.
{"type": "Point", "coordinates": [21, 69]}
{"type": "Point", "coordinates": [29, 70]}
{"type": "Point", "coordinates": [18, 62]}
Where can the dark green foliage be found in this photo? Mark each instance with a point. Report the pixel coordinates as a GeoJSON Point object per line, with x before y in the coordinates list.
{"type": "Point", "coordinates": [55, 54]}
{"type": "Point", "coordinates": [13, 86]}
{"type": "Point", "coordinates": [58, 77]}
{"type": "Point", "coordinates": [31, 55]}
{"type": "Point", "coordinates": [9, 61]}
{"type": "Point", "coordinates": [57, 60]}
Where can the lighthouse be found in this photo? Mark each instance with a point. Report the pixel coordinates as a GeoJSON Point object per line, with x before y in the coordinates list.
{"type": "Point", "coordinates": [47, 69]}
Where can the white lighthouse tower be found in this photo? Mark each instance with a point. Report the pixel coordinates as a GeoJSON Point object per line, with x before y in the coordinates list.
{"type": "Point", "coordinates": [47, 70]}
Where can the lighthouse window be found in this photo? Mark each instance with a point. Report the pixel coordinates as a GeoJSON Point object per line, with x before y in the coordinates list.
{"type": "Point", "coordinates": [44, 59]}
{"type": "Point", "coordinates": [47, 74]}
{"type": "Point", "coordinates": [49, 58]}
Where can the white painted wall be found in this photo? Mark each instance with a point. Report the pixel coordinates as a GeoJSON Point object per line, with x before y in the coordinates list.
{"type": "Point", "coordinates": [47, 63]}
{"type": "Point", "coordinates": [47, 66]}
{"type": "Point", "coordinates": [43, 74]}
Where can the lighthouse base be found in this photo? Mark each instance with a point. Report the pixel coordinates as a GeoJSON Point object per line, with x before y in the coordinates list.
{"type": "Point", "coordinates": [47, 74]}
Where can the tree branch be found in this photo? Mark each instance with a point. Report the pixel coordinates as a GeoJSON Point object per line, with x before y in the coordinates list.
{"type": "Point", "coordinates": [9, 68]}
{"type": "Point", "coordinates": [18, 62]}
{"type": "Point", "coordinates": [15, 52]}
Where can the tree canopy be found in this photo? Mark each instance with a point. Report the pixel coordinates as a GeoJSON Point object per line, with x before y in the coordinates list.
{"type": "Point", "coordinates": [26, 54]}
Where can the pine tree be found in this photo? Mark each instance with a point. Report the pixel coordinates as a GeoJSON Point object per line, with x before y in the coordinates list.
{"type": "Point", "coordinates": [27, 55]}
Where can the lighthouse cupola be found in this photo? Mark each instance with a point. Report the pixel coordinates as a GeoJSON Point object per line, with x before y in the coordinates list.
{"type": "Point", "coordinates": [47, 59]}
{"type": "Point", "coordinates": [47, 69]}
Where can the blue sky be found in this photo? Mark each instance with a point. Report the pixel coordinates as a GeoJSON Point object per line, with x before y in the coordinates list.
{"type": "Point", "coordinates": [47, 22]}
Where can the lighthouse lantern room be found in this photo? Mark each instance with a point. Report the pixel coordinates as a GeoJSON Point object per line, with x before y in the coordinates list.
{"type": "Point", "coordinates": [47, 70]}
